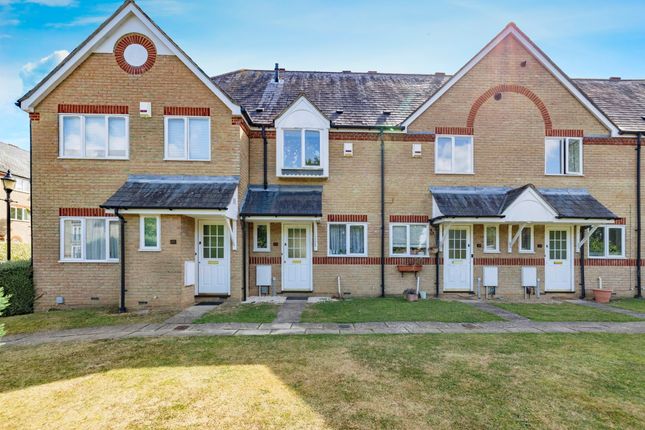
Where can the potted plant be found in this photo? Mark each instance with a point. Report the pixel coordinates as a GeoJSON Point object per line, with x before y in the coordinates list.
{"type": "Point", "coordinates": [601, 295]}
{"type": "Point", "coordinates": [411, 295]}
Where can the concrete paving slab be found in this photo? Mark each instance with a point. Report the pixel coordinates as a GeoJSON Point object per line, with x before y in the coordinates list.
{"type": "Point", "coordinates": [251, 332]}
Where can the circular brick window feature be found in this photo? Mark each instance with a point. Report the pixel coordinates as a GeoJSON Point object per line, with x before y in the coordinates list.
{"type": "Point", "coordinates": [135, 53]}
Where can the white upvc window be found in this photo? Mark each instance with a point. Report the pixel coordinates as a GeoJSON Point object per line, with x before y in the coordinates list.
{"type": "Point", "coordinates": [491, 238]}
{"type": "Point", "coordinates": [150, 233]}
{"type": "Point", "coordinates": [347, 239]}
{"type": "Point", "coordinates": [20, 214]}
{"type": "Point", "coordinates": [563, 156]}
{"type": "Point", "coordinates": [408, 240]}
{"type": "Point", "coordinates": [93, 136]}
{"type": "Point", "coordinates": [454, 154]}
{"type": "Point", "coordinates": [261, 237]}
{"type": "Point", "coordinates": [607, 241]}
{"type": "Point", "coordinates": [527, 240]}
{"type": "Point", "coordinates": [22, 185]}
{"type": "Point", "coordinates": [301, 149]}
{"type": "Point", "coordinates": [93, 239]}
{"type": "Point", "coordinates": [187, 138]}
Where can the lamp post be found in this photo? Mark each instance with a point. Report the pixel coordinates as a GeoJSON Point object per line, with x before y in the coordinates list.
{"type": "Point", "coordinates": [8, 183]}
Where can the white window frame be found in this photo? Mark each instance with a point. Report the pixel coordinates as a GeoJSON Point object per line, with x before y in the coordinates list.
{"type": "Point", "coordinates": [22, 211]}
{"type": "Point", "coordinates": [407, 233]}
{"type": "Point", "coordinates": [22, 185]}
{"type": "Point", "coordinates": [565, 166]}
{"type": "Point", "coordinates": [61, 146]}
{"type": "Point", "coordinates": [321, 166]}
{"type": "Point", "coordinates": [491, 251]}
{"type": "Point", "coordinates": [452, 138]}
{"type": "Point", "coordinates": [107, 259]}
{"type": "Point", "coordinates": [606, 237]}
{"type": "Point", "coordinates": [520, 242]}
{"type": "Point", "coordinates": [186, 156]}
{"type": "Point", "coordinates": [347, 239]}
{"type": "Point", "coordinates": [255, 237]}
{"type": "Point", "coordinates": [142, 236]}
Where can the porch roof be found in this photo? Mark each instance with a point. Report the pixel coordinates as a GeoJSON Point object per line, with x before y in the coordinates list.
{"type": "Point", "coordinates": [283, 201]}
{"type": "Point", "coordinates": [525, 204]}
{"type": "Point", "coordinates": [174, 192]}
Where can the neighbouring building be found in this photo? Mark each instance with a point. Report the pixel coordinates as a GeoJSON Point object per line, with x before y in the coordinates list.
{"type": "Point", "coordinates": [16, 160]}
{"type": "Point", "coordinates": [506, 174]}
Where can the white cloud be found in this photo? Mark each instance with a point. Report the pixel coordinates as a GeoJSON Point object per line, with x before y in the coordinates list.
{"type": "Point", "coordinates": [32, 73]}
{"type": "Point", "coordinates": [79, 22]}
{"type": "Point", "coordinates": [53, 3]}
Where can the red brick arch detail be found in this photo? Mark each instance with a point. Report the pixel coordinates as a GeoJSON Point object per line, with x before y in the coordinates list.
{"type": "Point", "coordinates": [510, 88]}
{"type": "Point", "coordinates": [131, 39]}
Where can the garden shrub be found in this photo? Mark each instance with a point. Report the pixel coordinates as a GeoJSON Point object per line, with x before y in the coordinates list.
{"type": "Point", "coordinates": [17, 283]}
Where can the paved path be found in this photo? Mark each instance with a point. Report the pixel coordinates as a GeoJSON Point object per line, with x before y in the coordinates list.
{"type": "Point", "coordinates": [254, 329]}
{"type": "Point", "coordinates": [290, 311]}
{"type": "Point", "coordinates": [609, 308]}
{"type": "Point", "coordinates": [502, 313]}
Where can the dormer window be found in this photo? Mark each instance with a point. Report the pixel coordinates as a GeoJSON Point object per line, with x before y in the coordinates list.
{"type": "Point", "coordinates": [302, 140]}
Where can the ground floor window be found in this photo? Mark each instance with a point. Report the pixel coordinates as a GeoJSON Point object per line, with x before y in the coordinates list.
{"type": "Point", "coordinates": [491, 238]}
{"type": "Point", "coordinates": [261, 238]}
{"type": "Point", "coordinates": [20, 214]}
{"type": "Point", "coordinates": [347, 239]}
{"type": "Point", "coordinates": [526, 240]}
{"type": "Point", "coordinates": [89, 239]}
{"type": "Point", "coordinates": [409, 240]}
{"type": "Point", "coordinates": [607, 241]}
{"type": "Point", "coordinates": [150, 234]}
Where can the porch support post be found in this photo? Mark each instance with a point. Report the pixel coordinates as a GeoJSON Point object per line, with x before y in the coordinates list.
{"type": "Point", "coordinates": [314, 226]}
{"type": "Point", "coordinates": [244, 252]}
{"type": "Point", "coordinates": [512, 241]}
{"type": "Point", "coordinates": [585, 234]}
{"type": "Point", "coordinates": [233, 232]}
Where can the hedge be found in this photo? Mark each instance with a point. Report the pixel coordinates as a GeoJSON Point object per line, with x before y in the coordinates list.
{"type": "Point", "coordinates": [18, 286]}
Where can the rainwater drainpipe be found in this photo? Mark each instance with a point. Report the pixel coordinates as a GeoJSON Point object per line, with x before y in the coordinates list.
{"type": "Point", "coordinates": [382, 212]}
{"type": "Point", "coordinates": [264, 141]}
{"type": "Point", "coordinates": [436, 262]}
{"type": "Point", "coordinates": [244, 267]}
{"type": "Point", "coordinates": [582, 263]}
{"type": "Point", "coordinates": [122, 308]}
{"type": "Point", "coordinates": [638, 215]}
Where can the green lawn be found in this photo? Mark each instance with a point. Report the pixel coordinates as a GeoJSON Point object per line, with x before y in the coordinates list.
{"type": "Point", "coordinates": [636, 305]}
{"type": "Point", "coordinates": [243, 312]}
{"type": "Point", "coordinates": [494, 381]}
{"type": "Point", "coordinates": [77, 318]}
{"type": "Point", "coordinates": [563, 312]}
{"type": "Point", "coordinates": [393, 309]}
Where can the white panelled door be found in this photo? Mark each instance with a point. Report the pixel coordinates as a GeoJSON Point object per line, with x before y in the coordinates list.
{"type": "Point", "coordinates": [558, 265]}
{"type": "Point", "coordinates": [296, 257]}
{"type": "Point", "coordinates": [213, 258]}
{"type": "Point", "coordinates": [457, 258]}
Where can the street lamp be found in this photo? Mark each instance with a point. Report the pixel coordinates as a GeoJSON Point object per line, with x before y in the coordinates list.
{"type": "Point", "coordinates": [8, 183]}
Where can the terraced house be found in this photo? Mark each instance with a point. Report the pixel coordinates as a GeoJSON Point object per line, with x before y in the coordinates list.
{"type": "Point", "coordinates": [155, 185]}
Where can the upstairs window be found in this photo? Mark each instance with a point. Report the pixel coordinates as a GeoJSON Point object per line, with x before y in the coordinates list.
{"type": "Point", "coordinates": [89, 239]}
{"type": "Point", "coordinates": [301, 149]}
{"type": "Point", "coordinates": [563, 156]}
{"type": "Point", "coordinates": [607, 242]}
{"type": "Point", "coordinates": [20, 214]}
{"type": "Point", "coordinates": [187, 138]}
{"type": "Point", "coordinates": [409, 240]}
{"type": "Point", "coordinates": [347, 239]}
{"type": "Point", "coordinates": [93, 136]}
{"type": "Point", "coordinates": [22, 185]}
{"type": "Point", "coordinates": [454, 154]}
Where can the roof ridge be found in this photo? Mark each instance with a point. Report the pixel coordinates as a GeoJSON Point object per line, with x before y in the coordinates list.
{"type": "Point", "coordinates": [333, 72]}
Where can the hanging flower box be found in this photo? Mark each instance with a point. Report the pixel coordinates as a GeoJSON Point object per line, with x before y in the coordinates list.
{"type": "Point", "coordinates": [404, 268]}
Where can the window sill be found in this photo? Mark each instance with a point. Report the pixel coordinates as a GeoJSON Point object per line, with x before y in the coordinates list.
{"type": "Point", "coordinates": [575, 175]}
{"type": "Point", "coordinates": [346, 256]}
{"type": "Point", "coordinates": [492, 252]}
{"type": "Point", "coordinates": [261, 250]}
{"type": "Point", "coordinates": [408, 256]}
{"type": "Point", "coordinates": [526, 252]}
{"type": "Point", "coordinates": [454, 173]}
{"type": "Point", "coordinates": [149, 249]}
{"type": "Point", "coordinates": [95, 158]}
{"type": "Point", "coordinates": [613, 257]}
{"type": "Point", "coordinates": [188, 159]}
{"type": "Point", "coordinates": [90, 261]}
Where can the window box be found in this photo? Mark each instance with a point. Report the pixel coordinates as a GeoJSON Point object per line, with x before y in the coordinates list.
{"type": "Point", "coordinates": [405, 268]}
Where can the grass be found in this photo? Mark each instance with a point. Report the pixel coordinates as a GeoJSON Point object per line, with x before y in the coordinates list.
{"type": "Point", "coordinates": [500, 381]}
{"type": "Point", "coordinates": [76, 318]}
{"type": "Point", "coordinates": [393, 309]}
{"type": "Point", "coordinates": [563, 312]}
{"type": "Point", "coordinates": [19, 251]}
{"type": "Point", "coordinates": [243, 312]}
{"type": "Point", "coordinates": [636, 305]}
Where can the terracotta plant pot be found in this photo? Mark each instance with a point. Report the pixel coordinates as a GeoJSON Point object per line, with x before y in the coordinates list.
{"type": "Point", "coordinates": [411, 297]}
{"type": "Point", "coordinates": [601, 295]}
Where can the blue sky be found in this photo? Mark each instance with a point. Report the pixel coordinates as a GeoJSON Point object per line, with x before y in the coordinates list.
{"type": "Point", "coordinates": [586, 39]}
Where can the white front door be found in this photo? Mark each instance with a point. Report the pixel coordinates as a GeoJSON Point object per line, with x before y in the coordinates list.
{"type": "Point", "coordinates": [213, 258]}
{"type": "Point", "coordinates": [457, 257]}
{"type": "Point", "coordinates": [558, 265]}
{"type": "Point", "coordinates": [296, 257]}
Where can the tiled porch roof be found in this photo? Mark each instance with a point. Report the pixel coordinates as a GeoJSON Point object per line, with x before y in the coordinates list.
{"type": "Point", "coordinates": [283, 200]}
{"type": "Point", "coordinates": [174, 192]}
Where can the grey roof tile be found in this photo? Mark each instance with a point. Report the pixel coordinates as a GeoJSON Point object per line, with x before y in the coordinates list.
{"type": "Point", "coordinates": [174, 192]}
{"type": "Point", "coordinates": [14, 159]}
{"type": "Point", "coordinates": [283, 200]}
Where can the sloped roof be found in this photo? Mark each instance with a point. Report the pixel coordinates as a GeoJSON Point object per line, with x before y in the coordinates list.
{"type": "Point", "coordinates": [283, 200]}
{"type": "Point", "coordinates": [493, 201]}
{"type": "Point", "coordinates": [174, 192]}
{"type": "Point", "coordinates": [14, 159]}
{"type": "Point", "coordinates": [362, 97]}
{"type": "Point", "coordinates": [623, 101]}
